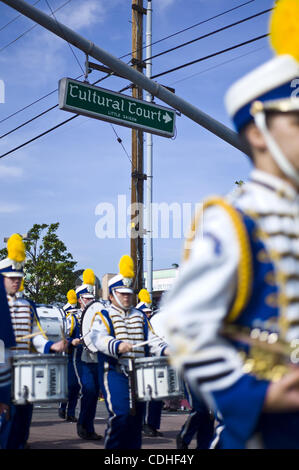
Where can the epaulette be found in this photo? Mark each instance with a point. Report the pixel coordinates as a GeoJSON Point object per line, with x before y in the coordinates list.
{"type": "Point", "coordinates": [245, 267]}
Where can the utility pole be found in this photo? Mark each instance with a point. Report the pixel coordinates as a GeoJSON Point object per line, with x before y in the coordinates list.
{"type": "Point", "coordinates": [138, 176]}
{"type": "Point", "coordinates": [149, 157]}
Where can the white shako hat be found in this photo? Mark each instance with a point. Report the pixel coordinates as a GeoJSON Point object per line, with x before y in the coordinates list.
{"type": "Point", "coordinates": [123, 281]}
{"type": "Point", "coordinates": [145, 301]}
{"type": "Point", "coordinates": [13, 264]}
{"type": "Point", "coordinates": [87, 289]}
{"type": "Point", "coordinates": [274, 85]}
{"type": "Point", "coordinates": [71, 301]}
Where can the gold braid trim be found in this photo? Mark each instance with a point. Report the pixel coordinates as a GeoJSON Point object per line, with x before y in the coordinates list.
{"type": "Point", "coordinates": [150, 326]}
{"type": "Point", "coordinates": [39, 325]}
{"type": "Point", "coordinates": [245, 270]}
{"type": "Point", "coordinates": [72, 325]}
{"type": "Point", "coordinates": [103, 320]}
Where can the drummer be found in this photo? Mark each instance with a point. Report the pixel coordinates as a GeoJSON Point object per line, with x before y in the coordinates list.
{"type": "Point", "coordinates": [15, 431]}
{"type": "Point", "coordinates": [7, 339]}
{"type": "Point", "coordinates": [67, 410]}
{"type": "Point", "coordinates": [116, 329]}
{"type": "Point", "coordinates": [86, 366]}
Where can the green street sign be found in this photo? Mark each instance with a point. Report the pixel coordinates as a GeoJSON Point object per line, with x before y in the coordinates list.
{"type": "Point", "coordinates": [106, 105]}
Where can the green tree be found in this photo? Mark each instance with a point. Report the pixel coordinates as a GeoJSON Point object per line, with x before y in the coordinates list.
{"type": "Point", "coordinates": [49, 268]}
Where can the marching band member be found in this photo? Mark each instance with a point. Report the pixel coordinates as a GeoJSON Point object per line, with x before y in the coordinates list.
{"type": "Point", "coordinates": [67, 410]}
{"type": "Point", "coordinates": [86, 365]}
{"type": "Point", "coordinates": [7, 340]}
{"type": "Point", "coordinates": [235, 303]}
{"type": "Point", "coordinates": [115, 330]}
{"type": "Point", "coordinates": [153, 408]}
{"type": "Point", "coordinates": [24, 321]}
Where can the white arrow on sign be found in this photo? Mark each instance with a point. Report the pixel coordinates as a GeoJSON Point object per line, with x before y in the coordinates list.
{"type": "Point", "coordinates": [167, 118]}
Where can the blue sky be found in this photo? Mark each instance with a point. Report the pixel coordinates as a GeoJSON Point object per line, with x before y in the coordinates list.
{"type": "Point", "coordinates": [63, 176]}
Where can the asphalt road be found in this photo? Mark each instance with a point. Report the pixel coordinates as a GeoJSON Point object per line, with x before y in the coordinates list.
{"type": "Point", "coordinates": [48, 431]}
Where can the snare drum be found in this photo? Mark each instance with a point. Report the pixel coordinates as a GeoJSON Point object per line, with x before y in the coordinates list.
{"type": "Point", "coordinates": [52, 321]}
{"type": "Point", "coordinates": [156, 379]}
{"type": "Point", "coordinates": [39, 378]}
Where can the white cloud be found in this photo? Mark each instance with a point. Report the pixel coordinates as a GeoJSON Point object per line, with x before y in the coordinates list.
{"type": "Point", "coordinates": [10, 171]}
{"type": "Point", "coordinates": [87, 13]}
{"type": "Point", "coordinates": [162, 4]}
{"type": "Point", "coordinates": [8, 208]}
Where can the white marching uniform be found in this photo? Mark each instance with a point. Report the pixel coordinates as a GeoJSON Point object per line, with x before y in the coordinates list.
{"type": "Point", "coordinates": [112, 326]}
{"type": "Point", "coordinates": [200, 302]}
{"type": "Point", "coordinates": [24, 323]}
{"type": "Point", "coordinates": [128, 327]}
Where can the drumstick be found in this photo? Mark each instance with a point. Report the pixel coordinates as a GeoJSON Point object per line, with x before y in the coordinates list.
{"type": "Point", "coordinates": [62, 333]}
{"type": "Point", "coordinates": [81, 337]}
{"type": "Point", "coordinates": [20, 338]}
{"type": "Point", "coordinates": [145, 342]}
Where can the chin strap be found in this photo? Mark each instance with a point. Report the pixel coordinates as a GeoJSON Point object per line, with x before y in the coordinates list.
{"type": "Point", "coordinates": [284, 164]}
{"type": "Point", "coordinates": [119, 302]}
{"type": "Point", "coordinates": [85, 302]}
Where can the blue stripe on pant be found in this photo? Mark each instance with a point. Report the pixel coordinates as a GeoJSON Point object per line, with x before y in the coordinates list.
{"type": "Point", "coordinates": [123, 430]}
{"type": "Point", "coordinates": [90, 391]}
{"type": "Point", "coordinates": [73, 388]}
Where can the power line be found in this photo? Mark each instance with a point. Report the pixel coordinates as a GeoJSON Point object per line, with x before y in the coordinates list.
{"type": "Point", "coordinates": [34, 102]}
{"type": "Point", "coordinates": [218, 65]}
{"type": "Point", "coordinates": [119, 140]}
{"type": "Point", "coordinates": [155, 76]}
{"type": "Point", "coordinates": [161, 53]}
{"type": "Point", "coordinates": [45, 112]}
{"type": "Point", "coordinates": [54, 128]}
{"type": "Point", "coordinates": [129, 54]}
{"type": "Point", "coordinates": [72, 51]}
{"type": "Point", "coordinates": [40, 135]}
{"type": "Point", "coordinates": [45, 132]}
{"type": "Point", "coordinates": [193, 26]}
{"type": "Point", "coordinates": [27, 122]}
{"type": "Point", "coordinates": [15, 18]}
{"type": "Point", "coordinates": [30, 29]}
{"type": "Point", "coordinates": [224, 28]}
{"type": "Point", "coordinates": [210, 56]}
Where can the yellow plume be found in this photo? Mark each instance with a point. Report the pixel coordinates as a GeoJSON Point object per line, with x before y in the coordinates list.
{"type": "Point", "coordinates": [126, 266]}
{"type": "Point", "coordinates": [71, 297]}
{"type": "Point", "coordinates": [144, 296]}
{"type": "Point", "coordinates": [22, 285]}
{"type": "Point", "coordinates": [89, 277]}
{"type": "Point", "coordinates": [284, 28]}
{"type": "Point", "coordinates": [16, 248]}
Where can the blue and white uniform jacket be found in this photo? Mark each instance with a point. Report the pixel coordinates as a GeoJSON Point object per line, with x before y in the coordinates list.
{"type": "Point", "coordinates": [72, 325]}
{"type": "Point", "coordinates": [113, 325]}
{"type": "Point", "coordinates": [72, 328]}
{"type": "Point", "coordinates": [241, 279]}
{"type": "Point", "coordinates": [25, 321]}
{"type": "Point", "coordinates": [7, 340]}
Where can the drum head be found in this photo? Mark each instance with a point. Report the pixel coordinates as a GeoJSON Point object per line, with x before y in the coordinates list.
{"type": "Point", "coordinates": [52, 321]}
{"type": "Point", "coordinates": [87, 319]}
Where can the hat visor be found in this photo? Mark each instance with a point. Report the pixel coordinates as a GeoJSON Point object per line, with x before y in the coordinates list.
{"type": "Point", "coordinates": [283, 105]}
{"type": "Point", "coordinates": [12, 274]}
{"type": "Point", "coordinates": [124, 290]}
{"type": "Point", "coordinates": [86, 296]}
